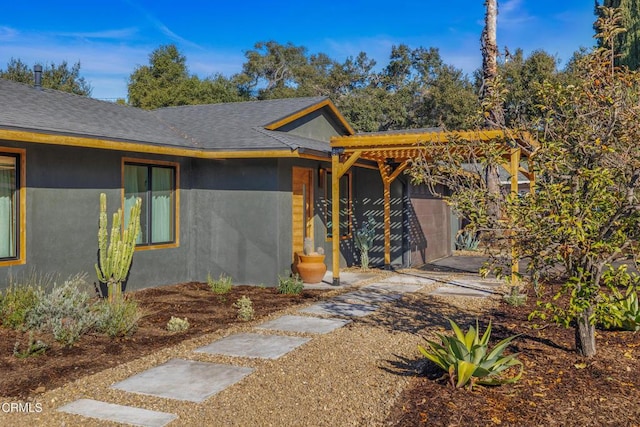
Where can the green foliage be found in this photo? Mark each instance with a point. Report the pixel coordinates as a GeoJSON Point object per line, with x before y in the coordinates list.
{"type": "Point", "coordinates": [221, 285]}
{"type": "Point", "coordinates": [166, 82]}
{"type": "Point", "coordinates": [290, 285]}
{"type": "Point", "coordinates": [364, 238]}
{"type": "Point", "coordinates": [65, 312]}
{"type": "Point", "coordinates": [16, 303]}
{"type": "Point", "coordinates": [58, 77]}
{"type": "Point", "coordinates": [244, 306]}
{"type": "Point", "coordinates": [33, 348]}
{"type": "Point", "coordinates": [176, 324]}
{"type": "Point", "coordinates": [114, 260]}
{"type": "Point", "coordinates": [514, 297]}
{"type": "Point", "coordinates": [468, 360]}
{"type": "Point", "coordinates": [467, 241]}
{"type": "Point", "coordinates": [585, 212]}
{"type": "Point", "coordinates": [118, 318]}
{"type": "Point", "coordinates": [627, 41]}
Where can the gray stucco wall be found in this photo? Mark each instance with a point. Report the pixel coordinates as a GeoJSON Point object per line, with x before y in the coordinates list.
{"type": "Point", "coordinates": [235, 216]}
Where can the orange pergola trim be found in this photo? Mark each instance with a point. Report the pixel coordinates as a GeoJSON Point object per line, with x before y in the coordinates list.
{"type": "Point", "coordinates": [401, 148]}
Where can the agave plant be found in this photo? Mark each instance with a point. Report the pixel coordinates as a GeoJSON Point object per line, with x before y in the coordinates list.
{"type": "Point", "coordinates": [467, 359]}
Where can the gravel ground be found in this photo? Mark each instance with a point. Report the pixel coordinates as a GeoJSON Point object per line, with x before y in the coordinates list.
{"type": "Point", "coordinates": [349, 377]}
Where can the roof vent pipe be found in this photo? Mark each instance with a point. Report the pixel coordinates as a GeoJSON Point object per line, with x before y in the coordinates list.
{"type": "Point", "coordinates": [37, 76]}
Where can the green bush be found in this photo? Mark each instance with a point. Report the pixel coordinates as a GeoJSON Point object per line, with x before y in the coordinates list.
{"type": "Point", "coordinates": [176, 324]}
{"type": "Point", "coordinates": [65, 311]}
{"type": "Point", "coordinates": [290, 285]}
{"type": "Point", "coordinates": [16, 303]}
{"type": "Point", "coordinates": [34, 348]}
{"type": "Point", "coordinates": [245, 308]}
{"type": "Point", "coordinates": [621, 311]}
{"type": "Point", "coordinates": [118, 318]}
{"type": "Point", "coordinates": [514, 297]}
{"type": "Point", "coordinates": [220, 286]}
{"type": "Point", "coordinates": [467, 359]}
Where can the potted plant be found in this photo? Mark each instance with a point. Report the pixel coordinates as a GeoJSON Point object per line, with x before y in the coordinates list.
{"type": "Point", "coordinates": [310, 265]}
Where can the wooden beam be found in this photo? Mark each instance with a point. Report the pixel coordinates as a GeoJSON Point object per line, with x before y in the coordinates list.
{"type": "Point", "coordinates": [386, 192]}
{"type": "Point", "coordinates": [344, 167]}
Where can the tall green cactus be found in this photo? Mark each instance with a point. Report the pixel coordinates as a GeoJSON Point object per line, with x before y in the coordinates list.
{"type": "Point", "coordinates": [114, 260]}
{"type": "Point", "coordinates": [364, 239]}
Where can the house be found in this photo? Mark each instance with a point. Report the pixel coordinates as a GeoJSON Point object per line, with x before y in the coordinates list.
{"type": "Point", "coordinates": [227, 188]}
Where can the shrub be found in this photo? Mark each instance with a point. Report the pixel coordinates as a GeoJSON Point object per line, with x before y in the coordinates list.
{"type": "Point", "coordinates": [18, 300]}
{"type": "Point", "coordinates": [245, 308]}
{"type": "Point", "coordinates": [34, 348]}
{"type": "Point", "coordinates": [467, 359]}
{"type": "Point", "coordinates": [290, 285]}
{"type": "Point", "coordinates": [119, 318]}
{"type": "Point", "coordinates": [176, 324]}
{"type": "Point", "coordinates": [514, 297]}
{"type": "Point", "coordinates": [65, 311]}
{"type": "Point", "coordinates": [220, 286]}
{"type": "Point", "coordinates": [467, 241]}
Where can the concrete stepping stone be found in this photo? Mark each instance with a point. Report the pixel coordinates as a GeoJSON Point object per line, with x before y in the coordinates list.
{"type": "Point", "coordinates": [305, 324]}
{"type": "Point", "coordinates": [460, 292]}
{"type": "Point", "coordinates": [367, 296]}
{"type": "Point", "coordinates": [401, 288]}
{"type": "Point", "coordinates": [408, 279]}
{"type": "Point", "coordinates": [118, 413]}
{"type": "Point", "coordinates": [253, 345]}
{"type": "Point", "coordinates": [184, 380]}
{"type": "Point", "coordinates": [336, 308]}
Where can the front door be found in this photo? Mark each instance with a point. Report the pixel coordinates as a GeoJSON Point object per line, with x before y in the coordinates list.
{"type": "Point", "coordinates": [302, 206]}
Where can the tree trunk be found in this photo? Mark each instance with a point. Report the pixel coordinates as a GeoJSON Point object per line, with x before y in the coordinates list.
{"type": "Point", "coordinates": [495, 116]}
{"type": "Point", "coordinates": [585, 334]}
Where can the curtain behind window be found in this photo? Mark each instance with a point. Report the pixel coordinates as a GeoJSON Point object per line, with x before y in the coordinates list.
{"type": "Point", "coordinates": [7, 207]}
{"type": "Point", "coordinates": [135, 185]}
{"type": "Point", "coordinates": [161, 204]}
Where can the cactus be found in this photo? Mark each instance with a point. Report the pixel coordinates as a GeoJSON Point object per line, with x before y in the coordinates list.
{"type": "Point", "coordinates": [114, 260]}
{"type": "Point", "coordinates": [364, 238]}
{"type": "Point", "coordinates": [308, 246]}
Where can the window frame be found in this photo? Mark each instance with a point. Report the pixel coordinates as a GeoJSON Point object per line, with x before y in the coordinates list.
{"type": "Point", "coordinates": [328, 200]}
{"type": "Point", "coordinates": [21, 207]}
{"type": "Point", "coordinates": [176, 196]}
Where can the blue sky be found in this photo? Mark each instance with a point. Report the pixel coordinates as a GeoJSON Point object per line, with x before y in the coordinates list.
{"type": "Point", "coordinates": [111, 37]}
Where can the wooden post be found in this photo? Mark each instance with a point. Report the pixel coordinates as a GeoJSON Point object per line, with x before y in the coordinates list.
{"type": "Point", "coordinates": [387, 179]}
{"type": "Point", "coordinates": [335, 216]}
{"type": "Point", "coordinates": [514, 171]}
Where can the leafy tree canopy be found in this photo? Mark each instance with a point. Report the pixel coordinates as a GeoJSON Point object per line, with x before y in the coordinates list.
{"type": "Point", "coordinates": [59, 77]}
{"type": "Point", "coordinates": [166, 82]}
{"type": "Point", "coordinates": [585, 211]}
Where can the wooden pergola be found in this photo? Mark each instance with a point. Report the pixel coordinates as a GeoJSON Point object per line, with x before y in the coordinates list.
{"type": "Point", "coordinates": [390, 149]}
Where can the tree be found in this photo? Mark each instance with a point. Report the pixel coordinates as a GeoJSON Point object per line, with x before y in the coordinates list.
{"type": "Point", "coordinates": [166, 82]}
{"type": "Point", "coordinates": [58, 77]}
{"type": "Point", "coordinates": [626, 43]}
{"type": "Point", "coordinates": [491, 96]}
{"type": "Point", "coordinates": [585, 211]}
{"type": "Point", "coordinates": [519, 76]}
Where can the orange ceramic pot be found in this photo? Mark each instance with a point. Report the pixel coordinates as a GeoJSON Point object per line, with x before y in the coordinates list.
{"type": "Point", "coordinates": [311, 268]}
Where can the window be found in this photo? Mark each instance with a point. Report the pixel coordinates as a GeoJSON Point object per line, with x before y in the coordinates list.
{"type": "Point", "coordinates": [9, 213]}
{"type": "Point", "coordinates": [155, 184]}
{"type": "Point", "coordinates": [345, 205]}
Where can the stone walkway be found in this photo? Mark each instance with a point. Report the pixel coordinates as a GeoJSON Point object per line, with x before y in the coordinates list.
{"type": "Point", "coordinates": [196, 381]}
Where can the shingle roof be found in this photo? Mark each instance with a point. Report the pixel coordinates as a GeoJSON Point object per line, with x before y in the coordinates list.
{"type": "Point", "coordinates": [240, 125]}
{"type": "Point", "coordinates": [230, 126]}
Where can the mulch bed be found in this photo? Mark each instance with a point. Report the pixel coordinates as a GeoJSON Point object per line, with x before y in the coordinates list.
{"type": "Point", "coordinates": [558, 387]}
{"type": "Point", "coordinates": [205, 311]}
